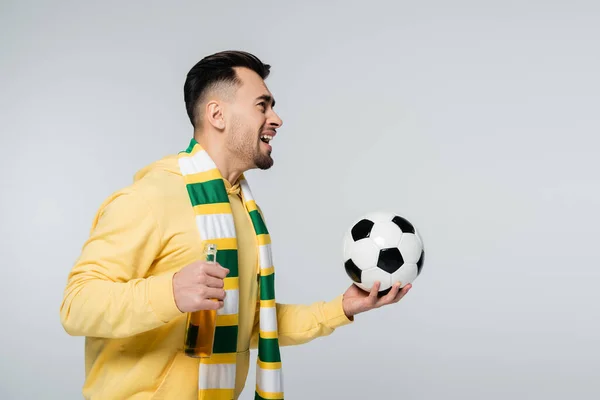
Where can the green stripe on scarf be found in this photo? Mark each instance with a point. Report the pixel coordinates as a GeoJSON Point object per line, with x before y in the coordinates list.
{"type": "Point", "coordinates": [259, 226]}
{"type": "Point", "coordinates": [210, 192]}
{"type": "Point", "coordinates": [225, 339]}
{"type": "Point", "coordinates": [267, 287]}
{"type": "Point", "coordinates": [191, 146]}
{"type": "Point", "coordinates": [229, 260]}
{"type": "Point", "coordinates": [268, 350]}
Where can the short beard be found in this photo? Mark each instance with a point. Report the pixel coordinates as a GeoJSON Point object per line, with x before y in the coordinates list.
{"type": "Point", "coordinates": [240, 144]}
{"type": "Point", "coordinates": [263, 161]}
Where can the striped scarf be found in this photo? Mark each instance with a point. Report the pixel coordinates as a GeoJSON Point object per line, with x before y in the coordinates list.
{"type": "Point", "coordinates": [214, 220]}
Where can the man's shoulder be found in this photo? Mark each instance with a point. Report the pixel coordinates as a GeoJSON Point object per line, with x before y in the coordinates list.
{"type": "Point", "coordinates": [158, 175]}
{"type": "Point", "coordinates": [153, 184]}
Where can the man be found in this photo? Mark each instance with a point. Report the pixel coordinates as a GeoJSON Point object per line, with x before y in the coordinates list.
{"type": "Point", "coordinates": [141, 271]}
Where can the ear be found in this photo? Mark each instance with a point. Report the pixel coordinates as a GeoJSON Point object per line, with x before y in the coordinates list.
{"type": "Point", "coordinates": [214, 114]}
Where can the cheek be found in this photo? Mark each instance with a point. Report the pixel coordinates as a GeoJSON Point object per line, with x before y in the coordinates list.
{"type": "Point", "coordinates": [260, 119]}
{"type": "Point", "coordinates": [253, 120]}
{"type": "Point", "coordinates": [255, 126]}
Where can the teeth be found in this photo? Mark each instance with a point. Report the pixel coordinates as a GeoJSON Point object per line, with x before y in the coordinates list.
{"type": "Point", "coordinates": [268, 138]}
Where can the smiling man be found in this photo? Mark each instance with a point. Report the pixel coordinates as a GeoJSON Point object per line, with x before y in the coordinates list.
{"type": "Point", "coordinates": [141, 271]}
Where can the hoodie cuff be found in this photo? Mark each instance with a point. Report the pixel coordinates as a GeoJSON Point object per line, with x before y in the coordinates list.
{"type": "Point", "coordinates": [334, 314]}
{"type": "Point", "coordinates": [161, 297]}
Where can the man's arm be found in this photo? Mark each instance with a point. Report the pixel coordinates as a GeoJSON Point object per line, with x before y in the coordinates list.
{"type": "Point", "coordinates": [107, 293]}
{"type": "Point", "coordinates": [299, 324]}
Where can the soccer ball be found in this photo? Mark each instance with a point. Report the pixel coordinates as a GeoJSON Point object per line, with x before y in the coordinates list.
{"type": "Point", "coordinates": [384, 247]}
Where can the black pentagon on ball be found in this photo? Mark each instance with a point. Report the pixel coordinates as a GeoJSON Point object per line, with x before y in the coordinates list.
{"type": "Point", "coordinates": [403, 224]}
{"type": "Point", "coordinates": [420, 262]}
{"type": "Point", "coordinates": [390, 260]}
{"type": "Point", "coordinates": [362, 229]}
{"type": "Point", "coordinates": [353, 271]}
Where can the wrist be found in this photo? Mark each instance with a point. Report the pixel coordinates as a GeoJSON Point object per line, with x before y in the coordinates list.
{"type": "Point", "coordinates": [349, 314]}
{"type": "Point", "coordinates": [162, 296]}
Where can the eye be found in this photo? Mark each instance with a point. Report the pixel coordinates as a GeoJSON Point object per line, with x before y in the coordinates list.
{"type": "Point", "coordinates": [263, 106]}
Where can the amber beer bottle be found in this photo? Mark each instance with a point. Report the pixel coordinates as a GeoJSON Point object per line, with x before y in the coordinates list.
{"type": "Point", "coordinates": [200, 327]}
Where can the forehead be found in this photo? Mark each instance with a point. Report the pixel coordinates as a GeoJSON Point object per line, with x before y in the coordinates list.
{"type": "Point", "coordinates": [252, 84]}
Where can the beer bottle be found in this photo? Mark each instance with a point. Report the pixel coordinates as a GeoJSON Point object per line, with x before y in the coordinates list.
{"type": "Point", "coordinates": [200, 327]}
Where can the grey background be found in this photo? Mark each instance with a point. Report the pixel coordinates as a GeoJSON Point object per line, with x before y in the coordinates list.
{"type": "Point", "coordinates": [477, 120]}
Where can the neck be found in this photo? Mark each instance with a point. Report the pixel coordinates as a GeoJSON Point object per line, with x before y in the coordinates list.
{"type": "Point", "coordinates": [226, 163]}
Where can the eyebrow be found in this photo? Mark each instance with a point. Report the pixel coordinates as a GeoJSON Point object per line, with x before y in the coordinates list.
{"type": "Point", "coordinates": [268, 99]}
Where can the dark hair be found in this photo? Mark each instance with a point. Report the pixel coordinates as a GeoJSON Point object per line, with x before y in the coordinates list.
{"type": "Point", "coordinates": [214, 69]}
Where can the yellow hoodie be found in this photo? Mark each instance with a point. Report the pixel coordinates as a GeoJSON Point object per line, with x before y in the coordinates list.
{"type": "Point", "coordinates": [119, 293]}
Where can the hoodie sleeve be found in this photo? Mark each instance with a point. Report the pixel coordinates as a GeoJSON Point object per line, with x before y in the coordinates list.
{"type": "Point", "coordinates": [107, 292]}
{"type": "Point", "coordinates": [299, 323]}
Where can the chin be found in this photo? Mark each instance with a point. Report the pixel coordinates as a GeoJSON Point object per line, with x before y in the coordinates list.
{"type": "Point", "coordinates": [263, 163]}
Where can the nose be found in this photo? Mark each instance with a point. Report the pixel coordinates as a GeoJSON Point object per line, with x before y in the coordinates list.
{"type": "Point", "coordinates": [274, 120]}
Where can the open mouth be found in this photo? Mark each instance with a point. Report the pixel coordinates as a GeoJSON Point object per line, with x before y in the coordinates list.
{"type": "Point", "coordinates": [266, 138]}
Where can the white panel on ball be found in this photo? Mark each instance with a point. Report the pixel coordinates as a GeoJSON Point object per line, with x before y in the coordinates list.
{"type": "Point", "coordinates": [419, 236]}
{"type": "Point", "coordinates": [410, 248]}
{"type": "Point", "coordinates": [386, 234]}
{"type": "Point", "coordinates": [360, 285]}
{"type": "Point", "coordinates": [369, 277]}
{"type": "Point", "coordinates": [364, 253]}
{"type": "Point", "coordinates": [348, 241]}
{"type": "Point", "coordinates": [405, 274]}
{"type": "Point", "coordinates": [380, 216]}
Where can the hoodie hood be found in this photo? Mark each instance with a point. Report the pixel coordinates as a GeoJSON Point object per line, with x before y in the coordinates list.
{"type": "Point", "coordinates": [170, 165]}
{"type": "Point", "coordinates": [167, 164]}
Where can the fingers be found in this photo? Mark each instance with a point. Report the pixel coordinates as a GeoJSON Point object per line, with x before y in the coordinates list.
{"type": "Point", "coordinates": [212, 304]}
{"type": "Point", "coordinates": [215, 270]}
{"type": "Point", "coordinates": [392, 294]}
{"type": "Point", "coordinates": [402, 293]}
{"type": "Point", "coordinates": [211, 281]}
{"type": "Point", "coordinates": [213, 293]}
{"type": "Point", "coordinates": [372, 298]}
